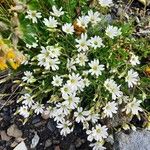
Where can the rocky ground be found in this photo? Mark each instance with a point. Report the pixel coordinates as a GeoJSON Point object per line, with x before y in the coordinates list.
{"type": "Point", "coordinates": [39, 133]}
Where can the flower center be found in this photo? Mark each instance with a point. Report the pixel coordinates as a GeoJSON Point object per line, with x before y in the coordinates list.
{"type": "Point", "coordinates": [33, 14]}
{"type": "Point", "coordinates": [95, 68]}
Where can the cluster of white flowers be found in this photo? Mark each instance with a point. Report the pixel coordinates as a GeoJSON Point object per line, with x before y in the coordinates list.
{"type": "Point", "coordinates": [79, 74]}
{"type": "Point", "coordinates": [29, 103]}
{"type": "Point", "coordinates": [49, 57]}
{"type": "Point", "coordinates": [97, 133]}
{"type": "Point", "coordinates": [113, 88]}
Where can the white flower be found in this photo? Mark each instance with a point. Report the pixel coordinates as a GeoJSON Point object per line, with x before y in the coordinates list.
{"type": "Point", "coordinates": [100, 132]}
{"type": "Point", "coordinates": [23, 111]}
{"type": "Point", "coordinates": [93, 117]}
{"type": "Point", "coordinates": [27, 100]}
{"type": "Point", "coordinates": [51, 22]}
{"type": "Point", "coordinates": [105, 3]}
{"type": "Point", "coordinates": [29, 78]}
{"type": "Point", "coordinates": [86, 82]}
{"type": "Point", "coordinates": [50, 63]}
{"type": "Point", "coordinates": [42, 60]}
{"type": "Point", "coordinates": [134, 60]}
{"type": "Point", "coordinates": [83, 21]}
{"type": "Point", "coordinates": [113, 88]}
{"type": "Point", "coordinates": [82, 43]}
{"type": "Point", "coordinates": [80, 115]}
{"type": "Point", "coordinates": [51, 111]}
{"type": "Point", "coordinates": [96, 42]}
{"type": "Point", "coordinates": [81, 59]}
{"type": "Point", "coordinates": [57, 81]}
{"type": "Point", "coordinates": [53, 64]}
{"type": "Point", "coordinates": [110, 109]}
{"type": "Point", "coordinates": [71, 101]}
{"type": "Point", "coordinates": [96, 68]}
{"type": "Point", "coordinates": [90, 134]}
{"type": "Point", "coordinates": [68, 28]}
{"type": "Point", "coordinates": [43, 57]}
{"type": "Point", "coordinates": [53, 51]}
{"type": "Point", "coordinates": [94, 18]}
{"type": "Point", "coordinates": [65, 127]}
{"type": "Point", "coordinates": [98, 145]}
{"type": "Point", "coordinates": [33, 15]}
{"type": "Point", "coordinates": [62, 108]}
{"type": "Point", "coordinates": [85, 72]}
{"type": "Point", "coordinates": [132, 78]}
{"type": "Point", "coordinates": [58, 115]}
{"type": "Point", "coordinates": [38, 108]}
{"type": "Point", "coordinates": [133, 107]}
{"type": "Point", "coordinates": [56, 12]}
{"type": "Point", "coordinates": [66, 90]}
{"type": "Point", "coordinates": [113, 31]}
{"type": "Point", "coordinates": [74, 81]}
{"type": "Point", "coordinates": [123, 99]}
{"type": "Point", "coordinates": [71, 64]}
{"type": "Point", "coordinates": [81, 85]}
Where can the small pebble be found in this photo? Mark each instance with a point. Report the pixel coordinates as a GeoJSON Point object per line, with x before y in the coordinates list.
{"type": "Point", "coordinates": [14, 131]}
{"type": "Point", "coordinates": [56, 142]}
{"type": "Point", "coordinates": [21, 146]}
{"type": "Point", "coordinates": [51, 126]}
{"type": "Point", "coordinates": [35, 140]}
{"type": "Point", "coordinates": [4, 136]}
{"type": "Point", "coordinates": [48, 143]}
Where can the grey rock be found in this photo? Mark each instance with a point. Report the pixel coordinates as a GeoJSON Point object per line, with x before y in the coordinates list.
{"type": "Point", "coordinates": [79, 142]}
{"type": "Point", "coordinates": [55, 142]}
{"type": "Point", "coordinates": [45, 114]}
{"type": "Point", "coordinates": [136, 140]}
{"type": "Point", "coordinates": [72, 147]}
{"type": "Point", "coordinates": [48, 143]}
{"type": "Point", "coordinates": [51, 125]}
{"type": "Point", "coordinates": [36, 120]}
{"type": "Point", "coordinates": [35, 140]}
{"type": "Point", "coordinates": [21, 146]}
{"type": "Point", "coordinates": [14, 144]}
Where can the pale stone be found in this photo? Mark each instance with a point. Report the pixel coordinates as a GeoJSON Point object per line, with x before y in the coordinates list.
{"type": "Point", "coordinates": [136, 140]}
{"type": "Point", "coordinates": [21, 146]}
{"type": "Point", "coordinates": [14, 131]}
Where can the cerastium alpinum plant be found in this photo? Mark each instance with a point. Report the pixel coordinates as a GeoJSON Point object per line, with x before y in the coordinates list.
{"type": "Point", "coordinates": [77, 68]}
